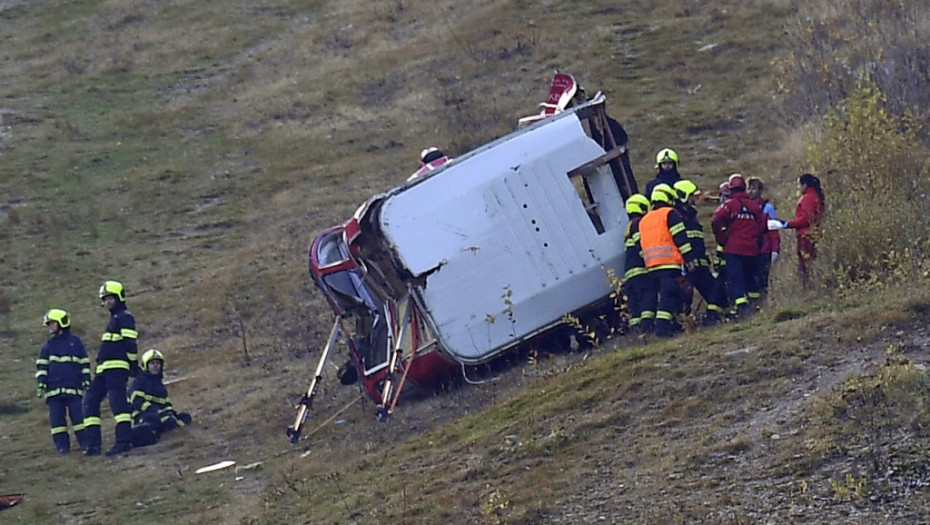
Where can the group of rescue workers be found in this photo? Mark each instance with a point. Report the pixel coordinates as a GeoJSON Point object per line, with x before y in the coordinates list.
{"type": "Point", "coordinates": [64, 380]}
{"type": "Point", "coordinates": [666, 257]}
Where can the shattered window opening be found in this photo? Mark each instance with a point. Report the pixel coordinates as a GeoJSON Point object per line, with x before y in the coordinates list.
{"type": "Point", "coordinates": [581, 186]}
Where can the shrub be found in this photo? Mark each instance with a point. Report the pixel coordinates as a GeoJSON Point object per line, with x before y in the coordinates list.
{"type": "Point", "coordinates": [875, 178]}
{"type": "Point", "coordinates": [836, 43]}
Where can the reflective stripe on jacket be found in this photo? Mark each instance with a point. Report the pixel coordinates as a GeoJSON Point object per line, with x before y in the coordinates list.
{"type": "Point", "coordinates": [118, 345]}
{"type": "Point", "coordinates": [149, 395]}
{"type": "Point", "coordinates": [633, 263]}
{"type": "Point", "coordinates": [657, 238]}
{"type": "Point", "coordinates": [62, 366]}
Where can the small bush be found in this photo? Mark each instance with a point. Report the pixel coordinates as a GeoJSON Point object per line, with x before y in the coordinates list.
{"type": "Point", "coordinates": [837, 43]}
{"type": "Point", "coordinates": [875, 178]}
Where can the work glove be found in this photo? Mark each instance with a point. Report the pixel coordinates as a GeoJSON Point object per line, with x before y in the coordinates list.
{"type": "Point", "coordinates": [40, 391]}
{"type": "Point", "coordinates": [774, 256]}
{"type": "Point", "coordinates": [85, 385]}
{"type": "Point", "coordinates": [774, 224]}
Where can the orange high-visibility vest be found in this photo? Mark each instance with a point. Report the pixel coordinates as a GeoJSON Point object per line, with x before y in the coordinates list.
{"type": "Point", "coordinates": [659, 248]}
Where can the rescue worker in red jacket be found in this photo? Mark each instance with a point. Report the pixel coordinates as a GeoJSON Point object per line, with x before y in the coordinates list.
{"type": "Point", "coordinates": [152, 411]}
{"type": "Point", "coordinates": [700, 277]}
{"type": "Point", "coordinates": [635, 282]}
{"type": "Point", "coordinates": [116, 361]}
{"type": "Point", "coordinates": [63, 373]}
{"type": "Point", "coordinates": [667, 254]}
{"type": "Point", "coordinates": [739, 226]}
{"type": "Point", "coordinates": [807, 223]}
{"type": "Point", "coordinates": [771, 242]}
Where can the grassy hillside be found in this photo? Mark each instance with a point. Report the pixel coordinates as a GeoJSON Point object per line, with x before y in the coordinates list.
{"type": "Point", "coordinates": [192, 150]}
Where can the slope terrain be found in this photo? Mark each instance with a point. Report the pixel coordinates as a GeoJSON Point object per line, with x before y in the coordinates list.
{"type": "Point", "coordinates": [192, 150]}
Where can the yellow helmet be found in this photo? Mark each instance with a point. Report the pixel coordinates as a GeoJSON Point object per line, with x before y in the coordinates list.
{"type": "Point", "coordinates": [152, 354]}
{"type": "Point", "coordinates": [663, 193]}
{"type": "Point", "coordinates": [57, 316]}
{"type": "Point", "coordinates": [112, 288]}
{"type": "Point", "coordinates": [666, 154]}
{"type": "Point", "coordinates": [637, 203]}
{"type": "Point", "coordinates": [686, 189]}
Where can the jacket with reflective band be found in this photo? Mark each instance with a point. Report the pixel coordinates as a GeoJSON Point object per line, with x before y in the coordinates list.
{"type": "Point", "coordinates": [808, 215]}
{"type": "Point", "coordinates": [664, 239]}
{"type": "Point", "coordinates": [118, 347]}
{"type": "Point", "coordinates": [633, 263]}
{"type": "Point", "coordinates": [695, 235]}
{"type": "Point", "coordinates": [739, 225]}
{"type": "Point", "coordinates": [149, 395]}
{"type": "Point", "coordinates": [63, 366]}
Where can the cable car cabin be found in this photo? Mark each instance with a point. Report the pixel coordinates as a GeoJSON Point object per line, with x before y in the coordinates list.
{"type": "Point", "coordinates": [468, 261]}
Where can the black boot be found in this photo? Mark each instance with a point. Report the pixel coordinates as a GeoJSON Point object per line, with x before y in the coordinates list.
{"type": "Point", "coordinates": [118, 448]}
{"type": "Point", "coordinates": [92, 450]}
{"type": "Point", "coordinates": [710, 319]}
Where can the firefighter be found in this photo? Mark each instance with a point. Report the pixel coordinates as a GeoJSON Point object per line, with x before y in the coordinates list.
{"type": "Point", "coordinates": [116, 362]}
{"type": "Point", "coordinates": [635, 282]}
{"type": "Point", "coordinates": [63, 374]}
{"type": "Point", "coordinates": [771, 242]}
{"type": "Point", "coordinates": [667, 164]}
{"type": "Point", "coordinates": [667, 254]}
{"type": "Point", "coordinates": [700, 277]}
{"type": "Point", "coordinates": [152, 412]}
{"type": "Point", "coordinates": [720, 265]}
{"type": "Point", "coordinates": [739, 226]}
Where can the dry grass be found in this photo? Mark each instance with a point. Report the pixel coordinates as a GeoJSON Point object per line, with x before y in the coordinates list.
{"type": "Point", "coordinates": [192, 150]}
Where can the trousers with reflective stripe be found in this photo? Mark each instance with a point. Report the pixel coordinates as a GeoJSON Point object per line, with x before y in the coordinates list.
{"type": "Point", "coordinates": [59, 408]}
{"type": "Point", "coordinates": [111, 384]}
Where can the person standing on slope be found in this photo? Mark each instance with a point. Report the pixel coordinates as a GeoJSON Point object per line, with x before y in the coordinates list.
{"type": "Point", "coordinates": [635, 282]}
{"type": "Point", "coordinates": [739, 226]}
{"type": "Point", "coordinates": [668, 255]}
{"type": "Point", "coordinates": [667, 164]}
{"type": "Point", "coordinates": [116, 361]}
{"type": "Point", "coordinates": [700, 276]}
{"type": "Point", "coordinates": [63, 374]}
{"type": "Point", "coordinates": [807, 224]}
{"type": "Point", "coordinates": [771, 242]}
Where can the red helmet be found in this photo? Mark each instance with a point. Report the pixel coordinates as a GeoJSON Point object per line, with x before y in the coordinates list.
{"type": "Point", "coordinates": [737, 182]}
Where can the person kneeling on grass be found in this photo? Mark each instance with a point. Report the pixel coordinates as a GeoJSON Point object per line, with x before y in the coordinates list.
{"type": "Point", "coordinates": [152, 412]}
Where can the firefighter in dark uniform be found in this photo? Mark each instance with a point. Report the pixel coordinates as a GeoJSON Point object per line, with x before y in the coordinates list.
{"type": "Point", "coordinates": [116, 361]}
{"type": "Point", "coordinates": [63, 373]}
{"type": "Point", "coordinates": [635, 282]}
{"type": "Point", "coordinates": [668, 255]}
{"type": "Point", "coordinates": [152, 411]}
{"type": "Point", "coordinates": [720, 264]}
{"type": "Point", "coordinates": [700, 276]}
{"type": "Point", "coordinates": [667, 166]}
